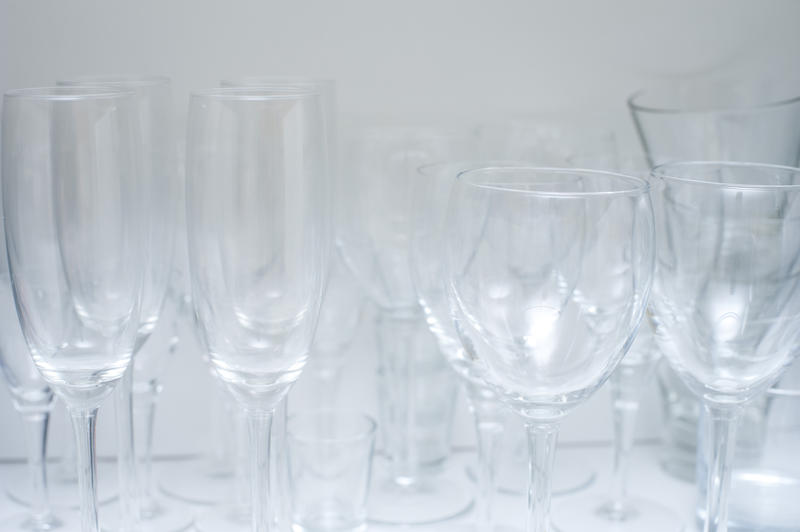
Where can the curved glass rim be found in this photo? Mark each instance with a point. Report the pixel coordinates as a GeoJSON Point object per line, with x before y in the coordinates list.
{"type": "Point", "coordinates": [638, 186]}
{"type": "Point", "coordinates": [660, 172]}
{"type": "Point", "coordinates": [427, 169]}
{"type": "Point", "coordinates": [255, 81]}
{"type": "Point", "coordinates": [256, 93]}
{"type": "Point", "coordinates": [371, 425]}
{"type": "Point", "coordinates": [122, 80]}
{"type": "Point", "coordinates": [69, 93]}
{"type": "Point", "coordinates": [704, 109]}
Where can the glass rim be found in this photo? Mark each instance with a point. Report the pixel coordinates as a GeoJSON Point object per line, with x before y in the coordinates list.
{"type": "Point", "coordinates": [637, 185]}
{"type": "Point", "coordinates": [114, 80]}
{"type": "Point", "coordinates": [427, 169]}
{"type": "Point", "coordinates": [255, 81]}
{"type": "Point", "coordinates": [634, 106]}
{"type": "Point", "coordinates": [660, 172]}
{"type": "Point", "coordinates": [370, 428]}
{"type": "Point", "coordinates": [256, 93]}
{"type": "Point", "coordinates": [69, 93]}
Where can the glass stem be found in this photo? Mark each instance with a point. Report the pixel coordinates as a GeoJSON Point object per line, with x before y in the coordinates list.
{"type": "Point", "coordinates": [626, 385]}
{"type": "Point", "coordinates": [84, 423]}
{"type": "Point", "coordinates": [126, 457]}
{"type": "Point", "coordinates": [721, 443]}
{"type": "Point", "coordinates": [145, 409]}
{"type": "Point", "coordinates": [542, 439]}
{"type": "Point", "coordinates": [36, 424]}
{"type": "Point", "coordinates": [278, 465]}
{"type": "Point", "coordinates": [488, 415]}
{"type": "Point", "coordinates": [259, 428]}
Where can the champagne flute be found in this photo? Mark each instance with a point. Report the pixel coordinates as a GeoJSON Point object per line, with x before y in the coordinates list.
{"type": "Point", "coordinates": [158, 176]}
{"type": "Point", "coordinates": [74, 212]}
{"type": "Point", "coordinates": [257, 220]}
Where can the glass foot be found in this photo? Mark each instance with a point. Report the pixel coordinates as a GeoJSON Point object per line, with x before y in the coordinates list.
{"type": "Point", "coordinates": [64, 494]}
{"type": "Point", "coordinates": [431, 499]}
{"type": "Point", "coordinates": [195, 484]}
{"type": "Point", "coordinates": [157, 516]}
{"type": "Point", "coordinates": [227, 517]}
{"type": "Point", "coordinates": [21, 521]}
{"type": "Point", "coordinates": [570, 475]}
{"type": "Point", "coordinates": [597, 513]}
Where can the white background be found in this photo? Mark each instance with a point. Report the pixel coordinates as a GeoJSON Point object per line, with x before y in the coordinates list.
{"type": "Point", "coordinates": [407, 60]}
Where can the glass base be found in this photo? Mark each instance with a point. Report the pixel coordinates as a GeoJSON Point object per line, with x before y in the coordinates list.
{"type": "Point", "coordinates": [23, 521]}
{"type": "Point", "coordinates": [65, 494]}
{"type": "Point", "coordinates": [466, 527]}
{"type": "Point", "coordinates": [596, 513]}
{"type": "Point", "coordinates": [227, 517]}
{"type": "Point", "coordinates": [195, 484]}
{"type": "Point", "coordinates": [431, 499]}
{"type": "Point", "coordinates": [157, 516]}
{"type": "Point", "coordinates": [570, 475]}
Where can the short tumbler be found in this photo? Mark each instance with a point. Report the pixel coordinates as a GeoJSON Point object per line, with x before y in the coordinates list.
{"type": "Point", "coordinates": [330, 457]}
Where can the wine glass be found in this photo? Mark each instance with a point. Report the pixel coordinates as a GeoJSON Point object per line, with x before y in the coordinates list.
{"type": "Point", "coordinates": [432, 186]}
{"type": "Point", "coordinates": [74, 210]}
{"type": "Point", "coordinates": [620, 510]}
{"type": "Point", "coordinates": [32, 398]}
{"type": "Point", "coordinates": [159, 176]}
{"type": "Point", "coordinates": [416, 387]}
{"type": "Point", "coordinates": [547, 273]}
{"type": "Point", "coordinates": [256, 219]}
{"type": "Point", "coordinates": [726, 299]}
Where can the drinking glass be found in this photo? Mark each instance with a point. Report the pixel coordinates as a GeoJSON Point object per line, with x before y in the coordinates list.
{"type": "Point", "coordinates": [330, 456]}
{"type": "Point", "coordinates": [159, 177]}
{"type": "Point", "coordinates": [432, 186]}
{"type": "Point", "coordinates": [547, 273]}
{"type": "Point", "coordinates": [726, 297]}
{"type": "Point", "coordinates": [257, 218]}
{"type": "Point", "coordinates": [73, 201]}
{"type": "Point", "coordinates": [703, 120]}
{"type": "Point", "coordinates": [326, 89]}
{"type": "Point", "coordinates": [619, 511]}
{"type": "Point", "coordinates": [711, 122]}
{"type": "Point", "coordinates": [416, 387]}
{"type": "Point", "coordinates": [32, 398]}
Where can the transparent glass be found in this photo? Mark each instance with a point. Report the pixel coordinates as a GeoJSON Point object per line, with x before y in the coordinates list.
{"type": "Point", "coordinates": [159, 176]}
{"type": "Point", "coordinates": [376, 206]}
{"type": "Point", "coordinates": [330, 457]}
{"type": "Point", "coordinates": [257, 219]}
{"type": "Point", "coordinates": [432, 187]}
{"type": "Point", "coordinates": [715, 122]}
{"type": "Point", "coordinates": [74, 212]}
{"type": "Point", "coordinates": [726, 298]}
{"type": "Point", "coordinates": [742, 121]}
{"type": "Point", "coordinates": [548, 272]}
{"type": "Point", "coordinates": [32, 398]}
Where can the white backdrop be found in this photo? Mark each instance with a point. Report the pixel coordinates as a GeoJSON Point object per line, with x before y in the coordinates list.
{"type": "Point", "coordinates": [410, 61]}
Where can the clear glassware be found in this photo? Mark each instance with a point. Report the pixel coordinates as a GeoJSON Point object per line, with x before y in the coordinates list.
{"type": "Point", "coordinates": [710, 121]}
{"type": "Point", "coordinates": [715, 122]}
{"type": "Point", "coordinates": [432, 186]}
{"type": "Point", "coordinates": [620, 511]}
{"type": "Point", "coordinates": [257, 218]}
{"type": "Point", "coordinates": [74, 210]}
{"type": "Point", "coordinates": [326, 88]}
{"type": "Point", "coordinates": [373, 231]}
{"type": "Point", "coordinates": [33, 399]}
{"type": "Point", "coordinates": [725, 297]}
{"type": "Point", "coordinates": [548, 273]}
{"type": "Point", "coordinates": [158, 174]}
{"type": "Point", "coordinates": [330, 457]}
